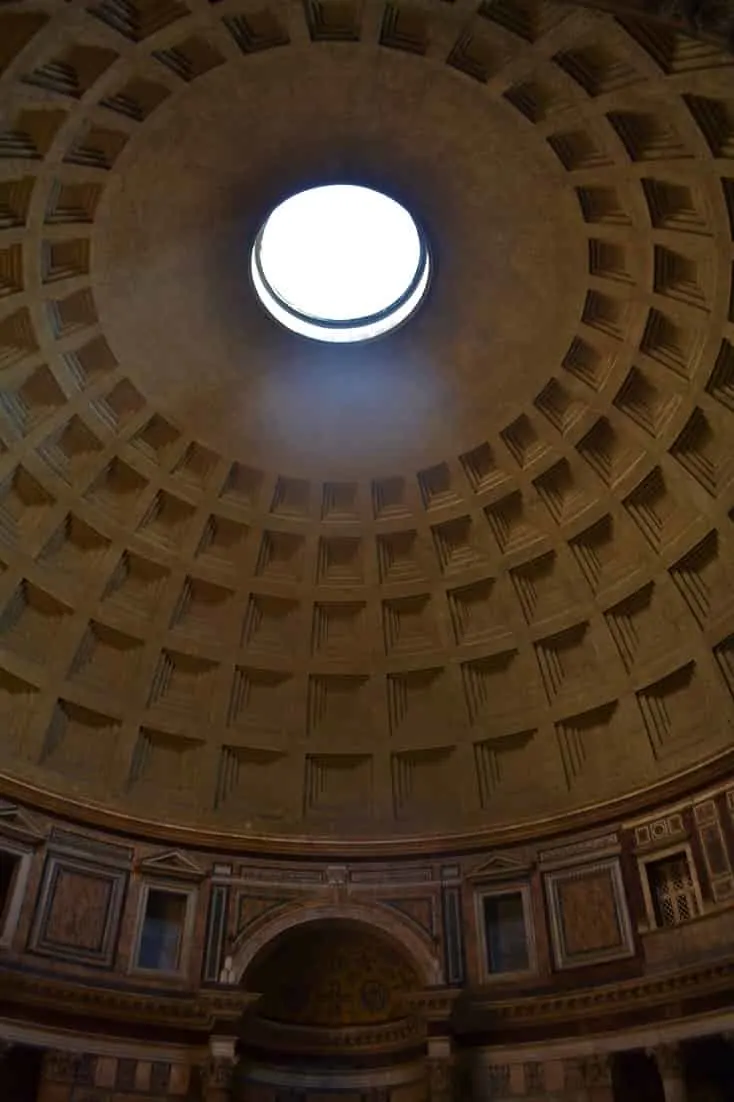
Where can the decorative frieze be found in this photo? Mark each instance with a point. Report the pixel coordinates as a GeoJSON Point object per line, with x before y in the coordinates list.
{"type": "Point", "coordinates": [391, 874]}
{"type": "Point", "coordinates": [276, 874]}
{"type": "Point", "coordinates": [660, 831]}
{"type": "Point", "coordinates": [580, 851]}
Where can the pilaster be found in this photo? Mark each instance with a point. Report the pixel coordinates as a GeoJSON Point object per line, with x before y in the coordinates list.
{"type": "Point", "coordinates": [219, 1071]}
{"type": "Point", "coordinates": [440, 1069]}
{"type": "Point", "coordinates": [671, 1066]}
{"type": "Point", "coordinates": [59, 1072]}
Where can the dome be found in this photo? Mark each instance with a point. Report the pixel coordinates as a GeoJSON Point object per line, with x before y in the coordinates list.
{"type": "Point", "coordinates": [470, 580]}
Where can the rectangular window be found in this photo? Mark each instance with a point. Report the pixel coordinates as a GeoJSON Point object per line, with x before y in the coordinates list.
{"type": "Point", "coordinates": [672, 890]}
{"type": "Point", "coordinates": [505, 933]}
{"type": "Point", "coordinates": [9, 865]}
{"type": "Point", "coordinates": [161, 935]}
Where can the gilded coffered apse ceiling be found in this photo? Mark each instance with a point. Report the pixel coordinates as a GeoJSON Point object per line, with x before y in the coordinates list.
{"type": "Point", "coordinates": [474, 575]}
{"type": "Point", "coordinates": [331, 975]}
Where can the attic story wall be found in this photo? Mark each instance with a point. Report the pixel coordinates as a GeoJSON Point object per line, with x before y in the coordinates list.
{"type": "Point", "coordinates": [75, 903]}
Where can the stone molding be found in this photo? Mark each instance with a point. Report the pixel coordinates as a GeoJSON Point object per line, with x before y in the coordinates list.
{"type": "Point", "coordinates": [644, 993]}
{"type": "Point", "coordinates": [276, 1037]}
{"type": "Point", "coordinates": [198, 1011]}
{"type": "Point", "coordinates": [203, 1009]}
{"type": "Point", "coordinates": [421, 949]}
{"type": "Point", "coordinates": [353, 1079]}
{"type": "Point", "coordinates": [634, 805]}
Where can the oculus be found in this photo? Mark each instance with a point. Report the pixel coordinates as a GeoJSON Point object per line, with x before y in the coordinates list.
{"type": "Point", "coordinates": [340, 263]}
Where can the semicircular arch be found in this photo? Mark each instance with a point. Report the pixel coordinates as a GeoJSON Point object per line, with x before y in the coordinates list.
{"type": "Point", "coordinates": [419, 947]}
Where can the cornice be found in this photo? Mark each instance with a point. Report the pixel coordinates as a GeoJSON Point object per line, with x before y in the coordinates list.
{"type": "Point", "coordinates": [240, 843]}
{"type": "Point", "coordinates": [382, 1038]}
{"type": "Point", "coordinates": [464, 1012]}
{"type": "Point", "coordinates": [484, 1009]}
{"type": "Point", "coordinates": [434, 1004]}
{"type": "Point", "coordinates": [199, 1011]}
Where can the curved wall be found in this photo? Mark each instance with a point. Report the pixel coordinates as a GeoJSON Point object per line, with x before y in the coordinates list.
{"type": "Point", "coordinates": [593, 905]}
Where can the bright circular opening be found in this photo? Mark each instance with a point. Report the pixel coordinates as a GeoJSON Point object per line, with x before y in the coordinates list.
{"type": "Point", "coordinates": [340, 263]}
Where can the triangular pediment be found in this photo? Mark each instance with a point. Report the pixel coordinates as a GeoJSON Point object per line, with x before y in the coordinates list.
{"type": "Point", "coordinates": [500, 865]}
{"type": "Point", "coordinates": [17, 824]}
{"type": "Point", "coordinates": [172, 863]}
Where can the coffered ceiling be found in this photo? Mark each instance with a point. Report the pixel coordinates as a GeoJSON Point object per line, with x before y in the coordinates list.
{"type": "Point", "coordinates": [474, 575]}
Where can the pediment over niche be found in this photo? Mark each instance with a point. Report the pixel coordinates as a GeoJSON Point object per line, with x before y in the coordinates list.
{"type": "Point", "coordinates": [501, 866]}
{"type": "Point", "coordinates": [17, 824]}
{"type": "Point", "coordinates": [172, 863]}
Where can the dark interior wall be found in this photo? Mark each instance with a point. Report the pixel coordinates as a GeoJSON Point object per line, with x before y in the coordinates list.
{"type": "Point", "coordinates": [709, 1064]}
{"type": "Point", "coordinates": [635, 1078]}
{"type": "Point", "coordinates": [258, 1092]}
{"type": "Point", "coordinates": [20, 1071]}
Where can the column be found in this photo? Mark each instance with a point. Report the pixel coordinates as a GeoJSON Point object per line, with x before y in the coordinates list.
{"type": "Point", "coordinates": [589, 1078]}
{"type": "Point", "coordinates": [597, 1073]}
{"type": "Point", "coordinates": [59, 1072]}
{"type": "Point", "coordinates": [219, 1071]}
{"type": "Point", "coordinates": [440, 1069]}
{"type": "Point", "coordinates": [672, 1071]}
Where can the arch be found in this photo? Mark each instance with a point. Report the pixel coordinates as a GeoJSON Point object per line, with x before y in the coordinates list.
{"type": "Point", "coordinates": [420, 948]}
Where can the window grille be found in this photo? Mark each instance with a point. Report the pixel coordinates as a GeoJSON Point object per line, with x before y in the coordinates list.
{"type": "Point", "coordinates": [673, 894]}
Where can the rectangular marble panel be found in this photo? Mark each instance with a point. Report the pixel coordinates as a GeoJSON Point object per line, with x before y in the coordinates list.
{"type": "Point", "coordinates": [589, 919]}
{"type": "Point", "coordinates": [588, 913]}
{"type": "Point", "coordinates": [78, 911]}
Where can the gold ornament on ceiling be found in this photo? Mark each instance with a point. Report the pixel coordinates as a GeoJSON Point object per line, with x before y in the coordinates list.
{"type": "Point", "coordinates": [330, 976]}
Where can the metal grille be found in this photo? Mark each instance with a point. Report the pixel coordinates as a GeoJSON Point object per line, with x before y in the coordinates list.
{"type": "Point", "coordinates": [674, 898]}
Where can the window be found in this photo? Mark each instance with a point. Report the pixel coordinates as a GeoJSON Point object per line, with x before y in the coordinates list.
{"type": "Point", "coordinates": [162, 930]}
{"type": "Point", "coordinates": [9, 865]}
{"type": "Point", "coordinates": [505, 933]}
{"type": "Point", "coordinates": [672, 890]}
